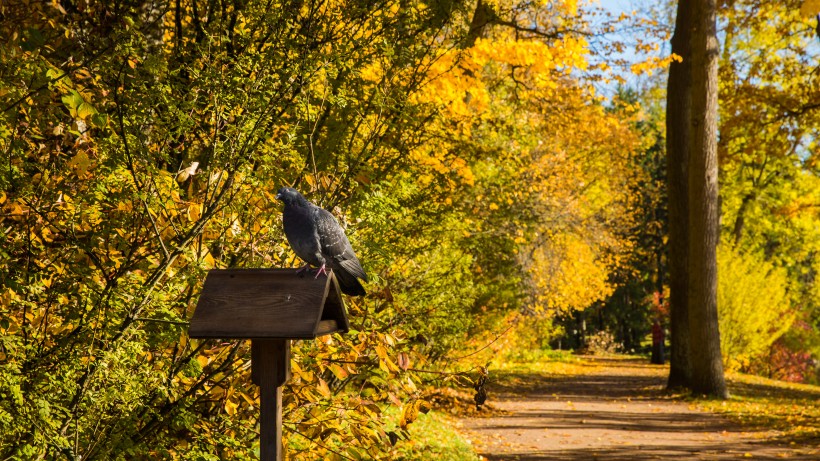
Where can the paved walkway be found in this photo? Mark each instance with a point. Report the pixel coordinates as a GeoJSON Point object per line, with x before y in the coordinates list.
{"type": "Point", "coordinates": [616, 412]}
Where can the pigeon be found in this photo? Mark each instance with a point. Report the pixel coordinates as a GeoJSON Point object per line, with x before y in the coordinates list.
{"type": "Point", "coordinates": [318, 239]}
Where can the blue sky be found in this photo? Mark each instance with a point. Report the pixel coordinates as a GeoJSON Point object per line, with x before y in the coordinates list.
{"type": "Point", "coordinates": [642, 9]}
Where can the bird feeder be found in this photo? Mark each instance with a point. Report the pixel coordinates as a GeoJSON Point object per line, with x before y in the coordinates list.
{"type": "Point", "coordinates": [270, 307]}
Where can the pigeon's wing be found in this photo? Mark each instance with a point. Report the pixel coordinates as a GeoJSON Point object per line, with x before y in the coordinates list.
{"type": "Point", "coordinates": [354, 267]}
{"type": "Point", "coordinates": [335, 245]}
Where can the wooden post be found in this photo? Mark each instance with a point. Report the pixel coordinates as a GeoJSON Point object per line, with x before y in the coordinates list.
{"type": "Point", "coordinates": [270, 369]}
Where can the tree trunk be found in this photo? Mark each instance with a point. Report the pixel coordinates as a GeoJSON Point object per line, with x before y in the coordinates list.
{"type": "Point", "coordinates": [741, 217]}
{"type": "Point", "coordinates": [705, 358]}
{"type": "Point", "coordinates": [483, 17]}
{"type": "Point", "coordinates": [678, 110]}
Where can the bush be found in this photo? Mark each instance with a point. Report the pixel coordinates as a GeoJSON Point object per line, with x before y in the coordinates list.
{"type": "Point", "coordinates": [602, 343]}
{"type": "Point", "coordinates": [754, 308]}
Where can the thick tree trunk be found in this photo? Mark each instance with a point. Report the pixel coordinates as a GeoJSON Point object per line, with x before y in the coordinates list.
{"type": "Point", "coordinates": [678, 110]}
{"type": "Point", "coordinates": [705, 358]}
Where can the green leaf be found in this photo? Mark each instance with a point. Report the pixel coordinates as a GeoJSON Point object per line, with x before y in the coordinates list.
{"type": "Point", "coordinates": [99, 120]}
{"type": "Point", "coordinates": [85, 110]}
{"type": "Point", "coordinates": [53, 74]}
{"type": "Point", "coordinates": [32, 40]}
{"type": "Point", "coordinates": [72, 101]}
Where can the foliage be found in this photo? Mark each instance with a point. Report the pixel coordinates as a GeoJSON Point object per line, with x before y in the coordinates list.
{"type": "Point", "coordinates": [790, 357]}
{"type": "Point", "coordinates": [768, 175]}
{"type": "Point", "coordinates": [753, 306]}
{"type": "Point", "coordinates": [641, 280]}
{"type": "Point", "coordinates": [530, 333]}
{"type": "Point", "coordinates": [769, 126]}
{"type": "Point", "coordinates": [141, 144]}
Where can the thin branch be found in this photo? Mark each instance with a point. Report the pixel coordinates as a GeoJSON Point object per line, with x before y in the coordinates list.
{"type": "Point", "coordinates": [172, 322]}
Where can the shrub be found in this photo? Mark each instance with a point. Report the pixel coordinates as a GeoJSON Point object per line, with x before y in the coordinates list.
{"type": "Point", "coordinates": [602, 343]}
{"type": "Point", "coordinates": [754, 308]}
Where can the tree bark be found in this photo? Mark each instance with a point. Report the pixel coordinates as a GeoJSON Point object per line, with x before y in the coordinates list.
{"type": "Point", "coordinates": [483, 17]}
{"type": "Point", "coordinates": [678, 110]}
{"type": "Point", "coordinates": [705, 358]}
{"type": "Point", "coordinates": [741, 217]}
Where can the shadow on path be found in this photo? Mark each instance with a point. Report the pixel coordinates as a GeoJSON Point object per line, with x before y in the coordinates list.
{"type": "Point", "coordinates": [618, 411]}
{"type": "Point", "coordinates": [611, 379]}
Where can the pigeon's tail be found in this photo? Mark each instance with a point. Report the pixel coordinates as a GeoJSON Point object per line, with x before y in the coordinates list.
{"type": "Point", "coordinates": [348, 282]}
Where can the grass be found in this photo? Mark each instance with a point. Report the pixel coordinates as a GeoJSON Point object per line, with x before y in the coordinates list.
{"type": "Point", "coordinates": [793, 409]}
{"type": "Point", "coordinates": [539, 361]}
{"type": "Point", "coordinates": [432, 436]}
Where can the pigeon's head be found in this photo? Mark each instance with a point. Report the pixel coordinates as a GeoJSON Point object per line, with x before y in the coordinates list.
{"type": "Point", "coordinates": [290, 196]}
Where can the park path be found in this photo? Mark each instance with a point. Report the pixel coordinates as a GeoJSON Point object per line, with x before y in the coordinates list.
{"type": "Point", "coordinates": [615, 412]}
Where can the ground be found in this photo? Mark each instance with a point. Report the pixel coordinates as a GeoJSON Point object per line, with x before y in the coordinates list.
{"type": "Point", "coordinates": [615, 410]}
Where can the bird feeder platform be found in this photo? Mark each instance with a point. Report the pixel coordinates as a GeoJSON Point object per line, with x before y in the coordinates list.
{"type": "Point", "coordinates": [270, 307]}
{"type": "Point", "coordinates": [268, 304]}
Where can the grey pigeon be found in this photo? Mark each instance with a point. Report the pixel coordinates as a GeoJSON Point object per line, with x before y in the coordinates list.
{"type": "Point", "coordinates": [317, 238]}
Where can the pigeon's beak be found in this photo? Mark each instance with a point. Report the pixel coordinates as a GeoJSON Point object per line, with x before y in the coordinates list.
{"type": "Point", "coordinates": [278, 196]}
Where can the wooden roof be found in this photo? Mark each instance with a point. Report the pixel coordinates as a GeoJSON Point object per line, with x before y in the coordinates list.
{"type": "Point", "coordinates": [268, 304]}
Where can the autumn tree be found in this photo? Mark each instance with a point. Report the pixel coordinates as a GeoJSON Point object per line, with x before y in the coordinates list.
{"type": "Point", "coordinates": [769, 121]}
{"type": "Point", "coordinates": [640, 294]}
{"type": "Point", "coordinates": [140, 158]}
{"type": "Point", "coordinates": [142, 144]}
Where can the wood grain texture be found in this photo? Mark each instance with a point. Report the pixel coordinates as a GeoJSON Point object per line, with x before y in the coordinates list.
{"type": "Point", "coordinates": [271, 368]}
{"type": "Point", "coordinates": [266, 354]}
{"type": "Point", "coordinates": [267, 303]}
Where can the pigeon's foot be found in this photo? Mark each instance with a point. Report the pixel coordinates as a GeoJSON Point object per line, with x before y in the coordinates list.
{"type": "Point", "coordinates": [303, 269]}
{"type": "Point", "coordinates": [321, 270]}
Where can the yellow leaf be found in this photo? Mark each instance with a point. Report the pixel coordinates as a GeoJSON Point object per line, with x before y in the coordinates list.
{"type": "Point", "coordinates": [85, 110]}
{"type": "Point", "coordinates": [247, 398]}
{"type": "Point", "coordinates": [408, 414]}
{"type": "Point", "coordinates": [194, 212]}
{"type": "Point", "coordinates": [230, 407]}
{"type": "Point", "coordinates": [381, 351]}
{"type": "Point", "coordinates": [323, 388]}
{"type": "Point", "coordinates": [391, 366]}
{"type": "Point", "coordinates": [338, 371]}
{"type": "Point", "coordinates": [423, 406]}
{"type": "Point", "coordinates": [410, 385]}
{"type": "Point", "coordinates": [80, 163]}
